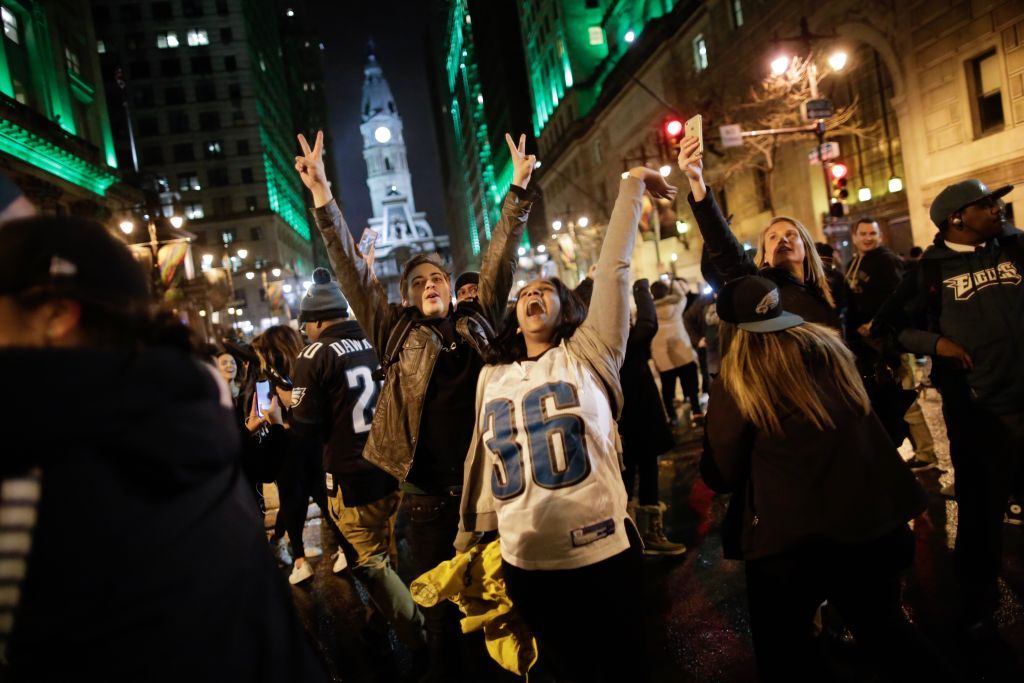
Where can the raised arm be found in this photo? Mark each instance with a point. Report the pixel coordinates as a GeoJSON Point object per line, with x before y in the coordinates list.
{"type": "Point", "coordinates": [609, 303]}
{"type": "Point", "coordinates": [646, 315]}
{"type": "Point", "coordinates": [499, 264]}
{"type": "Point", "coordinates": [368, 299]}
{"type": "Point", "coordinates": [729, 260]}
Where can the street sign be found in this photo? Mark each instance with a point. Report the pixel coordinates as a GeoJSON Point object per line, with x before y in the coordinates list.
{"type": "Point", "coordinates": [821, 108]}
{"type": "Point", "coordinates": [826, 152]}
{"type": "Point", "coordinates": [732, 135]}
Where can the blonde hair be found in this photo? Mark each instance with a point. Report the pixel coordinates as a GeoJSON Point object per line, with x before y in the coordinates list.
{"type": "Point", "coordinates": [814, 271]}
{"type": "Point", "coordinates": [771, 375]}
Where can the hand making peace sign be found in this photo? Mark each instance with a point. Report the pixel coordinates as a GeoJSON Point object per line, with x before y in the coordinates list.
{"type": "Point", "coordinates": [522, 163]}
{"type": "Point", "coordinates": [311, 169]}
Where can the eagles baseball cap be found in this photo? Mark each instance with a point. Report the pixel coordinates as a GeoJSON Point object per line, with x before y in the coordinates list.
{"type": "Point", "coordinates": [752, 303]}
{"type": "Point", "coordinates": [71, 257]}
{"type": "Point", "coordinates": [958, 195]}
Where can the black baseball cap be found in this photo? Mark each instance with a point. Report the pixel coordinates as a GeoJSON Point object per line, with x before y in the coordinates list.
{"type": "Point", "coordinates": [957, 196]}
{"type": "Point", "coordinates": [752, 303]}
{"type": "Point", "coordinates": [71, 257]}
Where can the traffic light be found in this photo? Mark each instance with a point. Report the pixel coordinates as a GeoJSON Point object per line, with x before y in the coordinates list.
{"type": "Point", "coordinates": [837, 204]}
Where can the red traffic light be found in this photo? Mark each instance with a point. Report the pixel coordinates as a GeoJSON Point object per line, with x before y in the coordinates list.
{"type": "Point", "coordinates": [839, 171]}
{"type": "Point", "coordinates": [673, 127]}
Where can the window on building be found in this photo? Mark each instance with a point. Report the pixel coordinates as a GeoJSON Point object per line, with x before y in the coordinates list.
{"type": "Point", "coordinates": [139, 69]}
{"type": "Point", "coordinates": [214, 149]}
{"type": "Point", "coordinates": [222, 7]}
{"type": "Point", "coordinates": [152, 155]}
{"type": "Point", "coordinates": [255, 234]}
{"type": "Point", "coordinates": [227, 236]}
{"type": "Point", "coordinates": [132, 12]}
{"type": "Point", "coordinates": [162, 10]}
{"type": "Point", "coordinates": [184, 152]}
{"type": "Point", "coordinates": [194, 211]}
{"type": "Point", "coordinates": [252, 203]}
{"type": "Point", "coordinates": [235, 91]}
{"type": "Point", "coordinates": [238, 116]}
{"type": "Point", "coordinates": [188, 181]}
{"type": "Point", "coordinates": [226, 35]}
{"type": "Point", "coordinates": [202, 64]}
{"type": "Point", "coordinates": [101, 47]}
{"type": "Point", "coordinates": [170, 67]}
{"type": "Point", "coordinates": [166, 39]}
{"type": "Point", "coordinates": [142, 96]}
{"type": "Point", "coordinates": [596, 34]}
{"type": "Point", "coordinates": [223, 206]}
{"type": "Point", "coordinates": [592, 4]}
{"type": "Point", "coordinates": [761, 186]}
{"type": "Point", "coordinates": [174, 95]}
{"type": "Point", "coordinates": [177, 122]}
{"type": "Point", "coordinates": [230, 63]}
{"type": "Point", "coordinates": [209, 120]}
{"type": "Point", "coordinates": [218, 177]}
{"type": "Point", "coordinates": [192, 8]}
{"type": "Point", "coordinates": [206, 91]}
{"type": "Point", "coordinates": [700, 52]}
{"type": "Point", "coordinates": [243, 147]}
{"type": "Point", "coordinates": [10, 25]}
{"type": "Point", "coordinates": [197, 37]}
{"type": "Point", "coordinates": [148, 126]}
{"type": "Point", "coordinates": [246, 175]}
{"type": "Point", "coordinates": [74, 64]}
{"type": "Point", "coordinates": [986, 78]}
{"type": "Point", "coordinates": [134, 41]}
{"type": "Point", "coordinates": [737, 12]}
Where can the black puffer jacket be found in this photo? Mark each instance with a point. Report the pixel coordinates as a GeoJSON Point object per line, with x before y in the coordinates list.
{"type": "Point", "coordinates": [148, 561]}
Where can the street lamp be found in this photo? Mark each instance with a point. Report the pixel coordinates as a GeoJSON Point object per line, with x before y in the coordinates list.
{"type": "Point", "coordinates": [837, 60]}
{"type": "Point", "coordinates": [583, 221]}
{"type": "Point", "coordinates": [780, 65]}
{"type": "Point", "coordinates": [556, 225]}
{"type": "Point", "coordinates": [276, 272]}
{"type": "Point", "coordinates": [177, 222]}
{"type": "Point", "coordinates": [127, 227]}
{"type": "Point", "coordinates": [250, 275]}
{"type": "Point", "coordinates": [242, 253]}
{"type": "Point", "coordinates": [895, 184]}
{"type": "Point", "coordinates": [665, 171]}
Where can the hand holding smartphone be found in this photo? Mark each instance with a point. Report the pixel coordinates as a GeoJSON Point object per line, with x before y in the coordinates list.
{"type": "Point", "coordinates": [262, 397]}
{"type": "Point", "coordinates": [694, 127]}
{"type": "Point", "coordinates": [368, 239]}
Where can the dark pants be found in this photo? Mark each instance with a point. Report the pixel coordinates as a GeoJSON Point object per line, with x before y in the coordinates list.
{"type": "Point", "coordinates": [987, 451]}
{"type": "Point", "coordinates": [588, 622]}
{"type": "Point", "coordinates": [428, 525]}
{"type": "Point", "coordinates": [861, 581]}
{"type": "Point", "coordinates": [642, 463]}
{"type": "Point", "coordinates": [687, 376]}
{"type": "Point", "coordinates": [705, 376]}
{"type": "Point", "coordinates": [301, 477]}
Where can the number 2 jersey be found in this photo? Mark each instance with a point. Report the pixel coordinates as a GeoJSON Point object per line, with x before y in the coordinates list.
{"type": "Point", "coordinates": [334, 399]}
{"type": "Point", "coordinates": [549, 434]}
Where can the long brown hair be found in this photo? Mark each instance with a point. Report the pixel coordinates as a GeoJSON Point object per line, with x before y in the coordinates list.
{"type": "Point", "coordinates": [814, 270]}
{"type": "Point", "coordinates": [279, 346]}
{"type": "Point", "coordinates": [772, 374]}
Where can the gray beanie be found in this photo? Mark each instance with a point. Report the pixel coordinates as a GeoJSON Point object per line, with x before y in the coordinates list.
{"type": "Point", "coordinates": [323, 301]}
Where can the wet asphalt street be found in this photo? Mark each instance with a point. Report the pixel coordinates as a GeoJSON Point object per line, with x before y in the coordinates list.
{"type": "Point", "coordinates": [697, 628]}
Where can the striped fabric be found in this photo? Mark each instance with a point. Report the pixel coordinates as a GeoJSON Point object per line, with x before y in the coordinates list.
{"type": "Point", "coordinates": [19, 498]}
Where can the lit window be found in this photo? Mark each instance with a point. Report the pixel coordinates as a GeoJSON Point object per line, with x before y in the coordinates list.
{"type": "Point", "coordinates": [700, 52]}
{"type": "Point", "coordinates": [986, 83]}
{"type": "Point", "coordinates": [101, 47]}
{"type": "Point", "coordinates": [166, 39]}
{"type": "Point", "coordinates": [10, 25]}
{"type": "Point", "coordinates": [194, 211]}
{"type": "Point", "coordinates": [198, 36]}
{"type": "Point", "coordinates": [305, 86]}
{"type": "Point", "coordinates": [71, 58]}
{"type": "Point", "coordinates": [596, 34]}
{"type": "Point", "coordinates": [737, 13]}
{"type": "Point", "coordinates": [215, 148]}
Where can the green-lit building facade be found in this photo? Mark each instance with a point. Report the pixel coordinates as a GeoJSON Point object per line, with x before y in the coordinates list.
{"type": "Point", "coordinates": [55, 135]}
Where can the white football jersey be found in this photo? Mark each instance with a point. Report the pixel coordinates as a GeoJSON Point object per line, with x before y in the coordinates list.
{"type": "Point", "coordinates": [549, 434]}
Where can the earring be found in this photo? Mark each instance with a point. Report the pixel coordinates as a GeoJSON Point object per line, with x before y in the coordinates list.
{"type": "Point", "coordinates": [957, 221]}
{"type": "Point", "coordinates": [519, 330]}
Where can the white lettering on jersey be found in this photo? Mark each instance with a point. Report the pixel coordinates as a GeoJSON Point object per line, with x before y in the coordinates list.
{"type": "Point", "coordinates": [965, 285]}
{"type": "Point", "coordinates": [345, 346]}
{"type": "Point", "coordinates": [311, 350]}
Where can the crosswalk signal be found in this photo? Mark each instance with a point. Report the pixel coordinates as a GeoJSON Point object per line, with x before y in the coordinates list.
{"type": "Point", "coordinates": [837, 204]}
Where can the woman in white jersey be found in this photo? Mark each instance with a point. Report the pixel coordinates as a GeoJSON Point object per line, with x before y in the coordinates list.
{"type": "Point", "coordinates": [544, 466]}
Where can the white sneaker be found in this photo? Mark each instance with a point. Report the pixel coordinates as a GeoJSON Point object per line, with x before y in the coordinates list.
{"type": "Point", "coordinates": [340, 562]}
{"type": "Point", "coordinates": [300, 573]}
{"type": "Point", "coordinates": [312, 551]}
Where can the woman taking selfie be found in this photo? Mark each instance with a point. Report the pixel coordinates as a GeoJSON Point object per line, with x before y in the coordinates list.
{"type": "Point", "coordinates": [544, 466]}
{"type": "Point", "coordinates": [821, 498]}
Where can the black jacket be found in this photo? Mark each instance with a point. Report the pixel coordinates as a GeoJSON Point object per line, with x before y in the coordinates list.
{"type": "Point", "coordinates": [870, 279]}
{"type": "Point", "coordinates": [846, 484]}
{"type": "Point", "coordinates": [729, 261]}
{"type": "Point", "coordinates": [643, 423]}
{"type": "Point", "coordinates": [334, 399]}
{"type": "Point", "coordinates": [980, 306]}
{"type": "Point", "coordinates": [149, 560]}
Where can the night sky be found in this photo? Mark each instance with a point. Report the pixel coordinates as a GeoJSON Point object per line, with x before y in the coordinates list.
{"type": "Point", "coordinates": [398, 29]}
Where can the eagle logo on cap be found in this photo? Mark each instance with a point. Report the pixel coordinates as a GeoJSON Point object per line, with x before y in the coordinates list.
{"type": "Point", "coordinates": [767, 302]}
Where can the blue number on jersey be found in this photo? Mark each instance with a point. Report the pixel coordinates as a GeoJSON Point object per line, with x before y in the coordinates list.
{"type": "Point", "coordinates": [543, 432]}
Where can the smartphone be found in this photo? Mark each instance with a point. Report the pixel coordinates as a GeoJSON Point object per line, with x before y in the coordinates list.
{"type": "Point", "coordinates": [694, 127]}
{"type": "Point", "coordinates": [262, 397]}
{"type": "Point", "coordinates": [368, 239]}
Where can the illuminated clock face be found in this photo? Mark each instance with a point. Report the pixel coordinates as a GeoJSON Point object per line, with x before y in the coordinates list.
{"type": "Point", "coordinates": [382, 134]}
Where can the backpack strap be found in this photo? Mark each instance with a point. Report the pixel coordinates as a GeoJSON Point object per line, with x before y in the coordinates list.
{"type": "Point", "coordinates": [393, 347]}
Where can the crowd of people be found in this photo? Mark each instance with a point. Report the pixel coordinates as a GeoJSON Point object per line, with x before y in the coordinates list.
{"type": "Point", "coordinates": [455, 419]}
